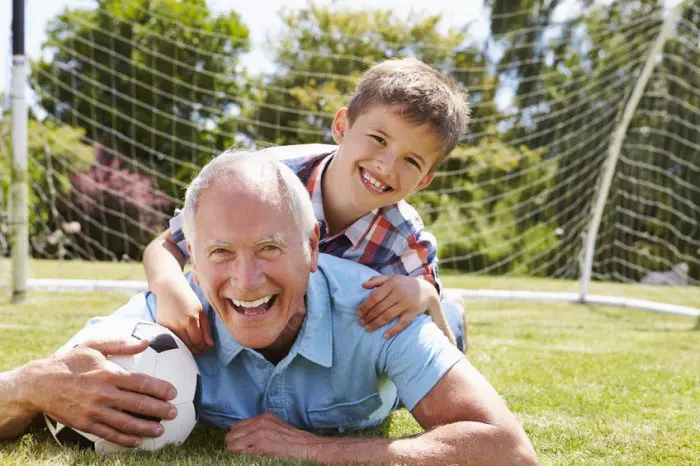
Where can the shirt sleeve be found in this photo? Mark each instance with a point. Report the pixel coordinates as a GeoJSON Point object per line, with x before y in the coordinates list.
{"type": "Point", "coordinates": [416, 359]}
{"type": "Point", "coordinates": [420, 258]}
{"type": "Point", "coordinates": [177, 232]}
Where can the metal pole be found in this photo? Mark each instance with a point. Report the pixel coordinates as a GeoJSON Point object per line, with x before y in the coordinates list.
{"type": "Point", "coordinates": [616, 146]}
{"type": "Point", "coordinates": [18, 190]}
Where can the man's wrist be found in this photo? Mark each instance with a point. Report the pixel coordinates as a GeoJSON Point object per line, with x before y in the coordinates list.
{"type": "Point", "coordinates": [24, 379]}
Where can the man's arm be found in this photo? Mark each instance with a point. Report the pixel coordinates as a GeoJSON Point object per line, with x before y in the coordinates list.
{"type": "Point", "coordinates": [82, 389]}
{"type": "Point", "coordinates": [466, 421]}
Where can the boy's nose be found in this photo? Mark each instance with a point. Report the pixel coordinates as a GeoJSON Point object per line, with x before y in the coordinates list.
{"type": "Point", "coordinates": [385, 163]}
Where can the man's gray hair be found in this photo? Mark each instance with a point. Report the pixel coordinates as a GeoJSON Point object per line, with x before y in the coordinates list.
{"type": "Point", "coordinates": [260, 173]}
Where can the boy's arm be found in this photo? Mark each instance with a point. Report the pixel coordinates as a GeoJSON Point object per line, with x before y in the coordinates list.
{"type": "Point", "coordinates": [178, 307]}
{"type": "Point", "coordinates": [413, 288]}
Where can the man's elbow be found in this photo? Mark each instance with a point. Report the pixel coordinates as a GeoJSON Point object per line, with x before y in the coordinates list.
{"type": "Point", "coordinates": [519, 448]}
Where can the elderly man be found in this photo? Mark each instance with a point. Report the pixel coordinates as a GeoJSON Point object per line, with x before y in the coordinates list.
{"type": "Point", "coordinates": [290, 356]}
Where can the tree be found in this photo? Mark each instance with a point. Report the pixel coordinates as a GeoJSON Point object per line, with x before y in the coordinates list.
{"type": "Point", "coordinates": [147, 79]}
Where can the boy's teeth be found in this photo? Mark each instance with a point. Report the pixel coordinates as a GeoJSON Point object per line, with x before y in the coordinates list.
{"type": "Point", "coordinates": [256, 303]}
{"type": "Point", "coordinates": [373, 181]}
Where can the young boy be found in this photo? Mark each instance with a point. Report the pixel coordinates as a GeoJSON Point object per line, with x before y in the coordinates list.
{"type": "Point", "coordinates": [401, 123]}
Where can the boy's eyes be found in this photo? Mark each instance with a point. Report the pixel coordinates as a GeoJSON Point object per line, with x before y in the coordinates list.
{"type": "Point", "coordinates": [378, 139]}
{"type": "Point", "coordinates": [413, 162]}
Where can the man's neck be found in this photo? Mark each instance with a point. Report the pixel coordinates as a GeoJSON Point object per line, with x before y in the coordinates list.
{"type": "Point", "coordinates": [278, 350]}
{"type": "Point", "coordinates": [338, 209]}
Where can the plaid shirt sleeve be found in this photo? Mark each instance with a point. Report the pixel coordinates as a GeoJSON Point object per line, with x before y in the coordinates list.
{"type": "Point", "coordinates": [420, 259]}
{"type": "Point", "coordinates": [178, 233]}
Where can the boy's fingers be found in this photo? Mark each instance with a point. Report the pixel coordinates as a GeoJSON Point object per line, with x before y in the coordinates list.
{"type": "Point", "coordinates": [194, 335]}
{"type": "Point", "coordinates": [376, 297]}
{"type": "Point", "coordinates": [374, 282]}
{"type": "Point", "coordinates": [385, 312]}
{"type": "Point", "coordinates": [397, 328]}
{"type": "Point", "coordinates": [206, 328]}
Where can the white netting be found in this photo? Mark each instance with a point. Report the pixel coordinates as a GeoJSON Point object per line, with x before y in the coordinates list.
{"type": "Point", "coordinates": [157, 97]}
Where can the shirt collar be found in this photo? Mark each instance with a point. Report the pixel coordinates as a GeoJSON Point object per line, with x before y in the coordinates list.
{"type": "Point", "coordinates": [315, 338]}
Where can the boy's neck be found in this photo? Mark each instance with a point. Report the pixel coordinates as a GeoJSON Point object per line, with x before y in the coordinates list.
{"type": "Point", "coordinates": [337, 208]}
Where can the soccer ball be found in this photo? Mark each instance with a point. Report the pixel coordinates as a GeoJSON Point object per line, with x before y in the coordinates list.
{"type": "Point", "coordinates": [166, 358]}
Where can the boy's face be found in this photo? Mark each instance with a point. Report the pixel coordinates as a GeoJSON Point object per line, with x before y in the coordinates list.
{"type": "Point", "coordinates": [384, 157]}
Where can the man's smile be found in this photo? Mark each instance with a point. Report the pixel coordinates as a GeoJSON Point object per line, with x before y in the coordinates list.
{"type": "Point", "coordinates": [253, 308]}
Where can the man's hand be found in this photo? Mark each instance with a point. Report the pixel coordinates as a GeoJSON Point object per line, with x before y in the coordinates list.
{"type": "Point", "coordinates": [179, 309]}
{"type": "Point", "coordinates": [84, 390]}
{"type": "Point", "coordinates": [269, 436]}
{"type": "Point", "coordinates": [395, 295]}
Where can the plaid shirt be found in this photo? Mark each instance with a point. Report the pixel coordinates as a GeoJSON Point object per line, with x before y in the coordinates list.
{"type": "Point", "coordinates": [390, 240]}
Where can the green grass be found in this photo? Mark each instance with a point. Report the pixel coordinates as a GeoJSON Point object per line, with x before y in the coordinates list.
{"type": "Point", "coordinates": [591, 385]}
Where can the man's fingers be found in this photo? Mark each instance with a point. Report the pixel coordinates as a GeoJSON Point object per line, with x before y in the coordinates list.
{"type": "Point", "coordinates": [146, 385]}
{"type": "Point", "coordinates": [376, 281]}
{"type": "Point", "coordinates": [117, 347]}
{"type": "Point", "coordinates": [113, 435]}
{"type": "Point", "coordinates": [127, 424]}
{"type": "Point", "coordinates": [376, 297]}
{"type": "Point", "coordinates": [142, 404]}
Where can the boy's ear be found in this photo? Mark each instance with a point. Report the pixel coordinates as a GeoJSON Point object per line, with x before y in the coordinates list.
{"type": "Point", "coordinates": [425, 182]}
{"type": "Point", "coordinates": [340, 125]}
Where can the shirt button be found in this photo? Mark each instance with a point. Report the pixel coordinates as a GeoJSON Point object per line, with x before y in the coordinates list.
{"type": "Point", "coordinates": [341, 429]}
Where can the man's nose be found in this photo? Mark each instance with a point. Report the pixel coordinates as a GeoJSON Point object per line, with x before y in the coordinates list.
{"type": "Point", "coordinates": [248, 275]}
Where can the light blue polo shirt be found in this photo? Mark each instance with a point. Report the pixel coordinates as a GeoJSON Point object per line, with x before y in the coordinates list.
{"type": "Point", "coordinates": [334, 373]}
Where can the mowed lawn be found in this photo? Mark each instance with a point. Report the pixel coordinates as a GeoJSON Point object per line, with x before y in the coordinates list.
{"type": "Point", "coordinates": [591, 385]}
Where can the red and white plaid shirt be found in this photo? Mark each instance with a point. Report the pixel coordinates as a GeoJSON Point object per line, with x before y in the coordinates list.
{"type": "Point", "coordinates": [390, 240]}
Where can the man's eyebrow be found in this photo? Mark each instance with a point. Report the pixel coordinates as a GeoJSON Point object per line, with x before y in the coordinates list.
{"type": "Point", "coordinates": [218, 244]}
{"type": "Point", "coordinates": [274, 237]}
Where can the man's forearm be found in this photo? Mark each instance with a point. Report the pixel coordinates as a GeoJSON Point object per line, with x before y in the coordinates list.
{"type": "Point", "coordinates": [15, 414]}
{"type": "Point", "coordinates": [464, 442]}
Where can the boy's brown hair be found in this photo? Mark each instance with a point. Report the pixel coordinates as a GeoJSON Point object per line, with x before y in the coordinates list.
{"type": "Point", "coordinates": [417, 93]}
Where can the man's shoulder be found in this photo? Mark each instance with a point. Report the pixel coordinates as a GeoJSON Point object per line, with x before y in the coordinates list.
{"type": "Point", "coordinates": [344, 279]}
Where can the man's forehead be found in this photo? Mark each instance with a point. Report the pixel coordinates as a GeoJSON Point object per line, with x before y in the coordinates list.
{"type": "Point", "coordinates": [232, 213]}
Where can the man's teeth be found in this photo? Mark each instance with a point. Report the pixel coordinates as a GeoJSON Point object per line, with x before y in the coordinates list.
{"type": "Point", "coordinates": [374, 182]}
{"type": "Point", "coordinates": [256, 303]}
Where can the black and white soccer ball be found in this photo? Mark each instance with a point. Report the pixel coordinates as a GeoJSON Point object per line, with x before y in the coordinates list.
{"type": "Point", "coordinates": [166, 358]}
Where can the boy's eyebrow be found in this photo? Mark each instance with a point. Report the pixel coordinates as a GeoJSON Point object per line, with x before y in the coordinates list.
{"type": "Point", "coordinates": [418, 156]}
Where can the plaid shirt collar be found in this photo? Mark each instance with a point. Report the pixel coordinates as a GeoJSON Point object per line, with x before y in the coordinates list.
{"type": "Point", "coordinates": [359, 228]}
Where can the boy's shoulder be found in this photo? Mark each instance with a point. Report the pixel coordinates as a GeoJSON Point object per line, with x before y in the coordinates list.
{"type": "Point", "coordinates": [404, 218]}
{"type": "Point", "coordinates": [297, 155]}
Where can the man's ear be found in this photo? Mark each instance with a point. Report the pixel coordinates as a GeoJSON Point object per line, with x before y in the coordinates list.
{"type": "Point", "coordinates": [340, 125]}
{"type": "Point", "coordinates": [425, 182]}
{"type": "Point", "coordinates": [314, 239]}
{"type": "Point", "coordinates": [194, 266]}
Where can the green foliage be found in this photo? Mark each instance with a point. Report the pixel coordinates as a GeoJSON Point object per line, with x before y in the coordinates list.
{"type": "Point", "coordinates": [56, 153]}
{"type": "Point", "coordinates": [175, 78]}
{"type": "Point", "coordinates": [496, 209]}
{"type": "Point", "coordinates": [319, 56]}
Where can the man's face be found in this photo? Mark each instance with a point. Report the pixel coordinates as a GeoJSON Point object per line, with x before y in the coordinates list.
{"type": "Point", "coordinates": [384, 157]}
{"type": "Point", "coordinates": [249, 259]}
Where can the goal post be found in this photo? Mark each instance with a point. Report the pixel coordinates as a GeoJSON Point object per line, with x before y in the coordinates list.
{"type": "Point", "coordinates": [578, 180]}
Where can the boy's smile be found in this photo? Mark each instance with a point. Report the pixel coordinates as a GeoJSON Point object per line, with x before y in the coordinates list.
{"type": "Point", "coordinates": [382, 158]}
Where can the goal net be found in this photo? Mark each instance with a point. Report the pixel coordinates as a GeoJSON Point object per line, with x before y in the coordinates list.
{"type": "Point", "coordinates": [130, 98]}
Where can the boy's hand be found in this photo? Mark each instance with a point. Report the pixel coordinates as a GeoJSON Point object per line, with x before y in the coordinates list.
{"type": "Point", "coordinates": [396, 295]}
{"type": "Point", "coordinates": [180, 310]}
